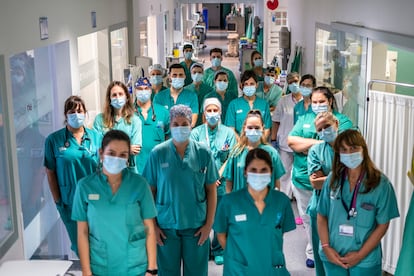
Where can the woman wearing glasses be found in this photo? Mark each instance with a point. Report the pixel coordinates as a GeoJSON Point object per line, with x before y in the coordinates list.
{"type": "Point", "coordinates": [251, 137]}
{"type": "Point", "coordinates": [155, 120]}
{"type": "Point", "coordinates": [118, 113]}
{"type": "Point", "coordinates": [356, 205]}
{"type": "Point", "coordinates": [70, 154]}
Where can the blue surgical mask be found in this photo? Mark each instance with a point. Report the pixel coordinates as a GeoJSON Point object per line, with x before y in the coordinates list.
{"type": "Point", "coordinates": [177, 83]}
{"type": "Point", "coordinates": [155, 80]}
{"type": "Point", "coordinates": [249, 90]}
{"type": "Point", "coordinates": [328, 134]}
{"type": "Point", "coordinates": [76, 120]}
{"type": "Point", "coordinates": [216, 62]}
{"type": "Point", "coordinates": [143, 95]}
{"type": "Point", "coordinates": [317, 108]}
{"type": "Point", "coordinates": [253, 135]}
{"type": "Point", "coordinates": [188, 55]}
{"type": "Point", "coordinates": [212, 118]}
{"type": "Point", "coordinates": [305, 91]}
{"type": "Point", "coordinates": [351, 160]}
{"type": "Point", "coordinates": [258, 62]}
{"type": "Point", "coordinates": [294, 87]}
{"type": "Point", "coordinates": [114, 165]}
{"type": "Point", "coordinates": [181, 133]}
{"type": "Point", "coordinates": [118, 103]}
{"type": "Point", "coordinates": [269, 80]}
{"type": "Point", "coordinates": [222, 85]}
{"type": "Point", "coordinates": [258, 181]}
{"type": "Point", "coordinates": [197, 77]}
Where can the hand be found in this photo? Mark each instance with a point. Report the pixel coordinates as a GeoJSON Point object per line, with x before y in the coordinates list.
{"type": "Point", "coordinates": [135, 149]}
{"type": "Point", "coordinates": [159, 235]}
{"type": "Point", "coordinates": [334, 257]}
{"type": "Point", "coordinates": [204, 233]}
{"type": "Point", "coordinates": [218, 182]}
{"type": "Point", "coordinates": [351, 258]}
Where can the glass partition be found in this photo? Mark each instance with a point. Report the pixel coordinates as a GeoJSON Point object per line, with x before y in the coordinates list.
{"type": "Point", "coordinates": [119, 53]}
{"type": "Point", "coordinates": [340, 63]}
{"type": "Point", "coordinates": [8, 218]}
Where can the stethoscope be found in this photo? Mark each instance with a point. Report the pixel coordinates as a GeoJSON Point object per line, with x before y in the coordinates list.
{"type": "Point", "coordinates": [84, 138]}
{"type": "Point", "coordinates": [351, 209]}
{"type": "Point", "coordinates": [153, 116]}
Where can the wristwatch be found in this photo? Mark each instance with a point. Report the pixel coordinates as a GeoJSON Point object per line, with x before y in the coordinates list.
{"type": "Point", "coordinates": [152, 271]}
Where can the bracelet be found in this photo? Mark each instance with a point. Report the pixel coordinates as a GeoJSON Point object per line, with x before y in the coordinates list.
{"type": "Point", "coordinates": [152, 271]}
{"type": "Point", "coordinates": [325, 245]}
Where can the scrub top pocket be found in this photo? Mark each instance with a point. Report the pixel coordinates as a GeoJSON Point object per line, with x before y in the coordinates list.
{"type": "Point", "coordinates": [137, 253]}
{"type": "Point", "coordinates": [278, 264]}
{"type": "Point", "coordinates": [234, 268]}
{"type": "Point", "coordinates": [165, 214]}
{"type": "Point", "coordinates": [99, 254]}
{"type": "Point", "coordinates": [365, 218]}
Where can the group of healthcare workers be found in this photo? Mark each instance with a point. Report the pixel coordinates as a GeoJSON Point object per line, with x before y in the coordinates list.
{"type": "Point", "coordinates": [135, 202]}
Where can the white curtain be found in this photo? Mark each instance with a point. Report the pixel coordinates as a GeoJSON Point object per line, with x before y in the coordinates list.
{"type": "Point", "coordinates": [390, 139]}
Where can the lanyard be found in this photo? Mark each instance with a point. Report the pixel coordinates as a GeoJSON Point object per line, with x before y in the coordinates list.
{"type": "Point", "coordinates": [351, 210]}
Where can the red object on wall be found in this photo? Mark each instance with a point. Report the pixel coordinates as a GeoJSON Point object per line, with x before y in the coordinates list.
{"type": "Point", "coordinates": [272, 5]}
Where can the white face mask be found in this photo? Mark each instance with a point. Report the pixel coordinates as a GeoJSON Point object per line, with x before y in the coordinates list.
{"type": "Point", "coordinates": [114, 165]}
{"type": "Point", "coordinates": [258, 181]}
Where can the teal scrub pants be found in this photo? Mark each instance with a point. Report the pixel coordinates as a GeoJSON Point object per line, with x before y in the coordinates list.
{"type": "Point", "coordinates": [65, 212]}
{"type": "Point", "coordinates": [216, 249]}
{"type": "Point", "coordinates": [182, 245]}
{"type": "Point", "coordinates": [334, 270]}
{"type": "Point", "coordinates": [320, 271]}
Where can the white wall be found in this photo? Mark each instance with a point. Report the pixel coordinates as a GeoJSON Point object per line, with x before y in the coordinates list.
{"type": "Point", "coordinates": [19, 31]}
{"type": "Point", "coordinates": [394, 16]}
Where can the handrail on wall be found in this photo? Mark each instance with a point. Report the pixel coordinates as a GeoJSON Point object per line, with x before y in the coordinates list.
{"type": "Point", "coordinates": [369, 87]}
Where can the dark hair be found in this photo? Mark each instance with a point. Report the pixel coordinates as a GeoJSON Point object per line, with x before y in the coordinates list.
{"type": "Point", "coordinates": [353, 137]}
{"type": "Point", "coordinates": [175, 66]}
{"type": "Point", "coordinates": [72, 103]}
{"type": "Point", "coordinates": [108, 113]}
{"type": "Point", "coordinates": [115, 134]}
{"type": "Point", "coordinates": [308, 77]}
{"type": "Point", "coordinates": [216, 50]}
{"type": "Point", "coordinates": [254, 53]}
{"type": "Point", "coordinates": [247, 75]}
{"type": "Point", "coordinates": [260, 154]}
{"type": "Point", "coordinates": [328, 94]}
{"type": "Point", "coordinates": [219, 73]}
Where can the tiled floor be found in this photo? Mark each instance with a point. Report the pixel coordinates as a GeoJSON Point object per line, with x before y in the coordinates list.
{"type": "Point", "coordinates": [294, 241]}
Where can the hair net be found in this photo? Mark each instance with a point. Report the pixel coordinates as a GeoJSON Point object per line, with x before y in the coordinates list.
{"type": "Point", "coordinates": [209, 101]}
{"type": "Point", "coordinates": [181, 110]}
{"type": "Point", "coordinates": [197, 64]}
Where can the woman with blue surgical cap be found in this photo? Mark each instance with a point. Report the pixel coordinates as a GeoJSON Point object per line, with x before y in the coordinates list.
{"type": "Point", "coordinates": [250, 223]}
{"type": "Point", "coordinates": [155, 120]}
{"type": "Point", "coordinates": [302, 137]}
{"type": "Point", "coordinates": [356, 206]}
{"type": "Point", "coordinates": [238, 108]}
{"type": "Point", "coordinates": [114, 209]}
{"type": "Point", "coordinates": [251, 137]}
{"type": "Point", "coordinates": [118, 113]}
{"type": "Point", "coordinates": [183, 177]}
{"type": "Point", "coordinates": [220, 140]}
{"type": "Point", "coordinates": [156, 77]}
{"type": "Point", "coordinates": [320, 159]}
{"type": "Point", "coordinates": [70, 154]}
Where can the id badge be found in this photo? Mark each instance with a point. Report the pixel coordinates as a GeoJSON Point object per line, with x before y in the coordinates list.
{"type": "Point", "coordinates": [346, 230]}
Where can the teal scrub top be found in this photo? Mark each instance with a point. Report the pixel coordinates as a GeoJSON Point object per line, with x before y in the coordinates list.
{"type": "Point", "coordinates": [233, 88]}
{"type": "Point", "coordinates": [155, 93]}
{"type": "Point", "coordinates": [188, 80]}
{"type": "Point", "coordinates": [155, 128]}
{"type": "Point", "coordinates": [254, 243]}
{"type": "Point", "coordinates": [186, 97]}
{"type": "Point", "coordinates": [234, 170]}
{"type": "Point", "coordinates": [181, 199]}
{"type": "Point", "coordinates": [220, 141]}
{"type": "Point", "coordinates": [300, 110]}
{"type": "Point", "coordinates": [224, 102]}
{"type": "Point", "coordinates": [202, 90]}
{"type": "Point", "coordinates": [117, 234]}
{"type": "Point", "coordinates": [237, 113]}
{"type": "Point", "coordinates": [272, 96]}
{"type": "Point", "coordinates": [378, 206]}
{"type": "Point", "coordinates": [320, 158]}
{"type": "Point", "coordinates": [71, 161]}
{"type": "Point", "coordinates": [305, 127]}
